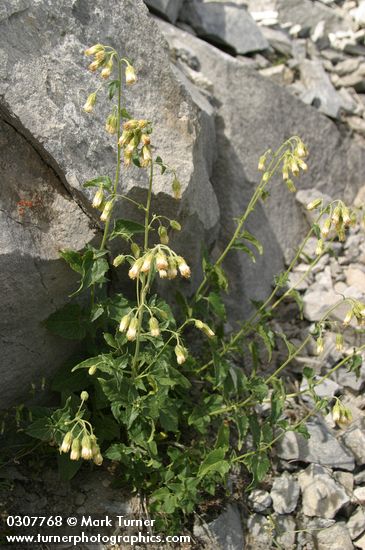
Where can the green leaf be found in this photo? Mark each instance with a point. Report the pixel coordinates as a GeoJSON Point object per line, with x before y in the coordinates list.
{"type": "Point", "coordinates": [268, 338]}
{"type": "Point", "coordinates": [125, 229]}
{"type": "Point", "coordinates": [161, 163]}
{"type": "Point", "coordinates": [73, 258]}
{"type": "Point", "coordinates": [258, 465]}
{"type": "Point", "coordinates": [223, 436]}
{"type": "Point", "coordinates": [169, 419]}
{"type": "Point", "coordinates": [247, 236]}
{"type": "Point", "coordinates": [67, 468]}
{"type": "Point", "coordinates": [69, 322]}
{"type": "Point", "coordinates": [214, 462]}
{"type": "Point", "coordinates": [41, 429]}
{"type": "Point", "coordinates": [116, 307]}
{"type": "Point", "coordinates": [112, 88]}
{"type": "Point", "coordinates": [217, 304]}
{"type": "Point", "coordinates": [354, 364]}
{"type": "Point", "coordinates": [299, 300]}
{"type": "Point", "coordinates": [242, 427]}
{"type": "Point", "coordinates": [110, 340]}
{"type": "Point", "coordinates": [102, 181]}
{"type": "Point", "coordinates": [124, 114]}
{"type": "Point", "coordinates": [239, 245]}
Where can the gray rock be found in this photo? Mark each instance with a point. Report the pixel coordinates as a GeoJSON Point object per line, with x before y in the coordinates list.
{"type": "Point", "coordinates": [225, 532]}
{"type": "Point", "coordinates": [285, 534]}
{"type": "Point", "coordinates": [321, 495]}
{"type": "Point", "coordinates": [167, 8]}
{"type": "Point", "coordinates": [357, 124]}
{"type": "Point", "coordinates": [336, 537]}
{"type": "Point", "coordinates": [354, 440]}
{"type": "Point", "coordinates": [360, 542]}
{"type": "Point", "coordinates": [360, 478]}
{"type": "Point", "coordinates": [319, 90]}
{"type": "Point", "coordinates": [316, 303]}
{"type": "Point", "coordinates": [327, 388]}
{"type": "Point", "coordinates": [307, 14]}
{"type": "Point", "coordinates": [359, 495]}
{"type": "Point", "coordinates": [260, 500]}
{"type": "Point", "coordinates": [321, 448]}
{"type": "Point", "coordinates": [224, 24]}
{"type": "Point", "coordinates": [51, 148]}
{"type": "Point", "coordinates": [279, 73]}
{"type": "Point", "coordinates": [278, 40]}
{"type": "Point", "coordinates": [356, 523]}
{"type": "Point", "coordinates": [285, 494]}
{"type": "Point", "coordinates": [258, 532]}
{"type": "Point", "coordinates": [347, 66]}
{"type": "Point", "coordinates": [346, 479]}
{"type": "Point", "coordinates": [259, 116]}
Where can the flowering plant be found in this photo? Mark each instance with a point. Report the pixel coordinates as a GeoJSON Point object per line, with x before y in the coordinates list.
{"type": "Point", "coordinates": [177, 420]}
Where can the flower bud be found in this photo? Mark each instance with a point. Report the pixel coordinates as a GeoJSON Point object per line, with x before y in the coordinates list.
{"type": "Point", "coordinates": [348, 317]}
{"type": "Point", "coordinates": [90, 102]}
{"type": "Point", "coordinates": [346, 216]}
{"type": "Point", "coordinates": [176, 188]}
{"type": "Point", "coordinates": [204, 328]}
{"type": "Point", "coordinates": [326, 228]}
{"type": "Point", "coordinates": [301, 150]}
{"type": "Point", "coordinates": [75, 450]}
{"type": "Point", "coordinates": [161, 261]}
{"type": "Point", "coordinates": [162, 233]}
{"type": "Point", "coordinates": [147, 261]}
{"type": "Point", "coordinates": [86, 452]}
{"type": "Point", "coordinates": [262, 162]}
{"type": "Point", "coordinates": [98, 198]}
{"type": "Point", "coordinates": [290, 185]}
{"type": "Point", "coordinates": [66, 443]}
{"type": "Point", "coordinates": [183, 268]}
{"type": "Point", "coordinates": [175, 225]}
{"type": "Point", "coordinates": [125, 138]}
{"type": "Point", "coordinates": [294, 167]}
{"type": "Point", "coordinates": [320, 345]}
{"type": "Point", "coordinates": [111, 124]}
{"type": "Point", "coordinates": [124, 323]}
{"type": "Point", "coordinates": [118, 260]}
{"type": "Point", "coordinates": [135, 269]}
{"type": "Point", "coordinates": [107, 211]}
{"type": "Point", "coordinates": [136, 251]}
{"type": "Point", "coordinates": [336, 215]}
{"type": "Point", "coordinates": [162, 273]}
{"type": "Point", "coordinates": [302, 164]}
{"type": "Point", "coordinates": [92, 370]}
{"type": "Point", "coordinates": [145, 139]}
{"type": "Point", "coordinates": [154, 326]}
{"type": "Point", "coordinates": [341, 415]}
{"type": "Point", "coordinates": [319, 247]}
{"type": "Point", "coordinates": [339, 342]}
{"type": "Point", "coordinates": [106, 72]}
{"type": "Point", "coordinates": [84, 396]}
{"type": "Point", "coordinates": [132, 330]}
{"type": "Point", "coordinates": [146, 155]}
{"type": "Point", "coordinates": [94, 66]}
{"type": "Point", "coordinates": [98, 459]}
{"type": "Point", "coordinates": [172, 271]}
{"type": "Point", "coordinates": [130, 75]}
{"type": "Point", "coordinates": [181, 354]}
{"type": "Point", "coordinates": [314, 204]}
{"type": "Point", "coordinates": [130, 124]}
{"type": "Point", "coordinates": [94, 49]}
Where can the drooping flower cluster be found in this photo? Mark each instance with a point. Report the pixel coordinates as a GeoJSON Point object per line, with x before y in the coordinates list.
{"type": "Point", "coordinates": [136, 142]}
{"type": "Point", "coordinates": [165, 261]}
{"type": "Point", "coordinates": [338, 220]}
{"type": "Point", "coordinates": [84, 444]}
{"type": "Point", "coordinates": [292, 162]}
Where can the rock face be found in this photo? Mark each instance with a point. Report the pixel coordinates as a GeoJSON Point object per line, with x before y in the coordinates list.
{"type": "Point", "coordinates": [167, 8]}
{"type": "Point", "coordinates": [226, 24]}
{"type": "Point", "coordinates": [44, 84]}
{"type": "Point", "coordinates": [254, 114]}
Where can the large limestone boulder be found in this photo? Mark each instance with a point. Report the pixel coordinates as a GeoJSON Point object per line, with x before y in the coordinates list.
{"type": "Point", "coordinates": [224, 23]}
{"type": "Point", "coordinates": [254, 114]}
{"type": "Point", "coordinates": [50, 147]}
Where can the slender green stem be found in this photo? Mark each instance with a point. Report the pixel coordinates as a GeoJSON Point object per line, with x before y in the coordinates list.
{"type": "Point", "coordinates": [145, 282]}
{"type": "Point", "coordinates": [274, 164]}
{"type": "Point", "coordinates": [117, 171]}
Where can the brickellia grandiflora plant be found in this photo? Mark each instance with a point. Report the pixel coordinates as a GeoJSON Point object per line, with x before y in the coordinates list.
{"type": "Point", "coordinates": [178, 422]}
